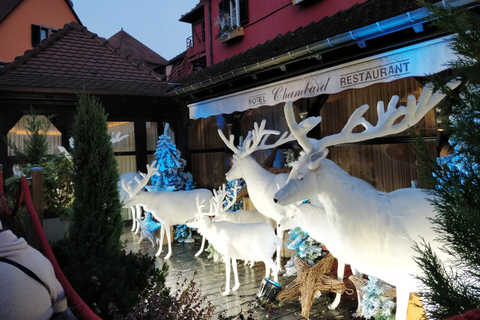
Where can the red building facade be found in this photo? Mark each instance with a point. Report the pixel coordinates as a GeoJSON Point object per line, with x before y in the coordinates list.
{"type": "Point", "coordinates": [329, 58]}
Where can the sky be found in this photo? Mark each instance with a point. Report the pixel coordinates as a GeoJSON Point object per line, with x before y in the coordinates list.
{"type": "Point", "coordinates": [152, 22]}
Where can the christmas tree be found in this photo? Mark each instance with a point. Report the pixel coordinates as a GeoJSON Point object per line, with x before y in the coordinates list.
{"type": "Point", "coordinates": [171, 167]}
{"type": "Point", "coordinates": [172, 177]}
{"type": "Point", "coordinates": [305, 247]}
{"type": "Point", "coordinates": [375, 304]}
{"type": "Point", "coordinates": [448, 292]}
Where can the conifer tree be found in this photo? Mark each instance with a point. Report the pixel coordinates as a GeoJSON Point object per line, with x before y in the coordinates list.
{"type": "Point", "coordinates": [91, 256]}
{"type": "Point", "coordinates": [448, 292]}
{"type": "Point", "coordinates": [96, 224]}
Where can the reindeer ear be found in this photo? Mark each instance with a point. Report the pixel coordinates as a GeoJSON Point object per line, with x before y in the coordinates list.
{"type": "Point", "coordinates": [315, 159]}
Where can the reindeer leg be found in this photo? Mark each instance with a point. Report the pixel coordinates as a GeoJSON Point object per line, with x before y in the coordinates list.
{"type": "Point", "coordinates": [403, 297]}
{"type": "Point", "coordinates": [227, 275]}
{"type": "Point", "coordinates": [235, 274]}
{"type": "Point", "coordinates": [201, 247]}
{"type": "Point", "coordinates": [138, 211]}
{"type": "Point", "coordinates": [280, 232]}
{"type": "Point", "coordinates": [359, 293]}
{"type": "Point", "coordinates": [134, 218]}
{"type": "Point", "coordinates": [169, 238]}
{"type": "Point", "coordinates": [340, 274]}
{"type": "Point", "coordinates": [270, 265]}
{"type": "Point", "coordinates": [162, 231]}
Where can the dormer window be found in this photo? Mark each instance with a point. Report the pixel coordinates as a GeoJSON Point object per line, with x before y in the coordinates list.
{"type": "Point", "coordinates": [41, 32]}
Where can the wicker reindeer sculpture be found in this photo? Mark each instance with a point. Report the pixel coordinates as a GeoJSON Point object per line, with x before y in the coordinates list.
{"type": "Point", "coordinates": [372, 230]}
{"type": "Point", "coordinates": [169, 207]}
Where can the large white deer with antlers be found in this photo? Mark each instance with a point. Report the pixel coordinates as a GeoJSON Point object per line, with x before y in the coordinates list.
{"type": "Point", "coordinates": [169, 207]}
{"type": "Point", "coordinates": [261, 183]}
{"type": "Point", "coordinates": [245, 241]}
{"type": "Point", "coordinates": [372, 230]}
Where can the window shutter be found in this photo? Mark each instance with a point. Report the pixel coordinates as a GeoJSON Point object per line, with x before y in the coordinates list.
{"type": "Point", "coordinates": [221, 7]}
{"type": "Point", "coordinates": [243, 12]}
{"type": "Point", "coordinates": [35, 35]}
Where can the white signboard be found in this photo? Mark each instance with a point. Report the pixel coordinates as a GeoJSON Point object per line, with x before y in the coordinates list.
{"type": "Point", "coordinates": [413, 61]}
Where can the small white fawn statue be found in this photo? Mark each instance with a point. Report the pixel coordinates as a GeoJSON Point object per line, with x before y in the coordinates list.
{"type": "Point", "coordinates": [245, 241]}
{"type": "Point", "coordinates": [222, 201]}
{"type": "Point", "coordinates": [372, 230]}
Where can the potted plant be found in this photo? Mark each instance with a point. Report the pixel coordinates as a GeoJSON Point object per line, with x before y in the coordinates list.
{"type": "Point", "coordinates": [227, 30]}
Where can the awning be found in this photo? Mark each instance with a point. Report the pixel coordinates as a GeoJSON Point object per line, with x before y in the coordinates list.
{"type": "Point", "coordinates": [413, 61]}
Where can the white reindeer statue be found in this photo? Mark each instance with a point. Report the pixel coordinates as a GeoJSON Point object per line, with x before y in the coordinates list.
{"type": "Point", "coordinates": [261, 183]}
{"type": "Point", "coordinates": [245, 241]}
{"type": "Point", "coordinates": [373, 230]}
{"type": "Point", "coordinates": [222, 201]}
{"type": "Point", "coordinates": [169, 207]}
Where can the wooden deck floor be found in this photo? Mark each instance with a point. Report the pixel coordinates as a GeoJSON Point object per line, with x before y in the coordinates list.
{"type": "Point", "coordinates": [211, 275]}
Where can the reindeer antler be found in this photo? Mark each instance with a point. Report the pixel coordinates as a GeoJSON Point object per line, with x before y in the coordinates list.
{"type": "Point", "coordinates": [412, 113]}
{"type": "Point", "coordinates": [151, 170]}
{"type": "Point", "coordinates": [230, 200]}
{"type": "Point", "coordinates": [255, 140]}
{"type": "Point", "coordinates": [216, 202]}
{"type": "Point", "coordinates": [200, 206]}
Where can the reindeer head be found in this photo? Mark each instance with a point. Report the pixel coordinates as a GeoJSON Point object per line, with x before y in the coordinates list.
{"type": "Point", "coordinates": [303, 180]}
{"type": "Point", "coordinates": [201, 217]}
{"type": "Point", "coordinates": [254, 141]}
{"type": "Point", "coordinates": [293, 218]}
{"type": "Point", "coordinates": [134, 191]}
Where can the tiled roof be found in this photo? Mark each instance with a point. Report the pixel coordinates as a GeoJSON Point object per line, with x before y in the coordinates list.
{"type": "Point", "coordinates": [75, 59]}
{"type": "Point", "coordinates": [178, 57]}
{"type": "Point", "coordinates": [355, 17]}
{"type": "Point", "coordinates": [128, 45]}
{"type": "Point", "coordinates": [6, 7]}
{"type": "Point", "coordinates": [186, 15]}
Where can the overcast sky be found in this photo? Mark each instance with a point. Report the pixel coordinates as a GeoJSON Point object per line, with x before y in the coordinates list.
{"type": "Point", "coordinates": [152, 22]}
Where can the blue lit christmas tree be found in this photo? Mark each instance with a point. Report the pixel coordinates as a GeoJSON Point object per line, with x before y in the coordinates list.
{"type": "Point", "coordinates": [305, 247]}
{"type": "Point", "coordinates": [172, 177]}
{"type": "Point", "coordinates": [375, 304]}
{"type": "Point", "coordinates": [171, 167]}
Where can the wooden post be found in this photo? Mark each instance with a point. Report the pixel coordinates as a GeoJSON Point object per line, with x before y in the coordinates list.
{"type": "Point", "coordinates": [37, 199]}
{"type": "Point", "coordinates": [37, 191]}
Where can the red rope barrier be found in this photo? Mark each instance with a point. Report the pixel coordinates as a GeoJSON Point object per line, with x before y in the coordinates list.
{"type": "Point", "coordinates": [75, 301]}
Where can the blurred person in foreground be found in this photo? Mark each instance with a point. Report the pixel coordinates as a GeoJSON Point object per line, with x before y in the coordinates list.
{"type": "Point", "coordinates": [22, 297]}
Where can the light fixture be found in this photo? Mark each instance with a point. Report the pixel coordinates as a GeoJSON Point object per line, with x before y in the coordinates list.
{"type": "Point", "coordinates": [268, 293]}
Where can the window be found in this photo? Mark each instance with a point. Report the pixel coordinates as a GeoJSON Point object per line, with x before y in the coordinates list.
{"type": "Point", "coordinates": [17, 135]}
{"type": "Point", "coordinates": [41, 32]}
{"type": "Point", "coordinates": [236, 10]}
